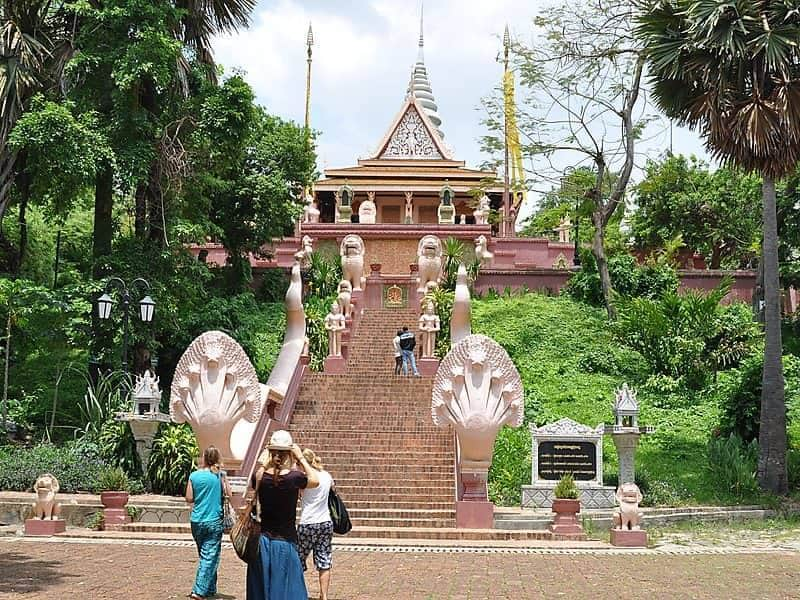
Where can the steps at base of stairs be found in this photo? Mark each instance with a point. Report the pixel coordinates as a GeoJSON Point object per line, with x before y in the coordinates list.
{"type": "Point", "coordinates": [384, 533]}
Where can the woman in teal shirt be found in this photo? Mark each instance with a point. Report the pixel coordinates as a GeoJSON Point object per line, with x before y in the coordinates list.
{"type": "Point", "coordinates": [205, 492]}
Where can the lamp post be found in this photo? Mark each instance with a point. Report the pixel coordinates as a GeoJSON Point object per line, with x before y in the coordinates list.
{"type": "Point", "coordinates": [146, 308]}
{"type": "Point", "coordinates": [569, 170]}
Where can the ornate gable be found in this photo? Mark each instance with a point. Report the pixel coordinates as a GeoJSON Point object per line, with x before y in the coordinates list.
{"type": "Point", "coordinates": [411, 139]}
{"type": "Point", "coordinates": [412, 136]}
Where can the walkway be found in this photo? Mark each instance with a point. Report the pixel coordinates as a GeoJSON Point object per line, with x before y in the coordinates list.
{"type": "Point", "coordinates": [164, 570]}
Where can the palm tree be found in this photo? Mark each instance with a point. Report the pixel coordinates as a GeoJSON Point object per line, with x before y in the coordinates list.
{"type": "Point", "coordinates": [34, 47]}
{"type": "Point", "coordinates": [732, 71]}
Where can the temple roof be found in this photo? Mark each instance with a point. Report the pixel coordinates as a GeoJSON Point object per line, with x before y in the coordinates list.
{"type": "Point", "coordinates": [412, 136]}
{"type": "Point", "coordinates": [420, 86]}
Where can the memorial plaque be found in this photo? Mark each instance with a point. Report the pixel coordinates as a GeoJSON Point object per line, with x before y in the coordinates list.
{"type": "Point", "coordinates": [556, 458]}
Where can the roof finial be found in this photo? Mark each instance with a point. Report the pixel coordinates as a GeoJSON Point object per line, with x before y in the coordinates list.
{"type": "Point", "coordinates": [420, 86]}
{"type": "Point", "coordinates": [421, 16]}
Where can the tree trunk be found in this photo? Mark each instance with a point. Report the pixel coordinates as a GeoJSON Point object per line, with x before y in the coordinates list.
{"type": "Point", "coordinates": [758, 291]}
{"type": "Point", "coordinates": [5, 371]}
{"type": "Point", "coordinates": [772, 475]}
{"type": "Point", "coordinates": [103, 222]}
{"type": "Point", "coordinates": [22, 220]}
{"type": "Point", "coordinates": [155, 205]}
{"type": "Point", "coordinates": [140, 211]}
{"type": "Point", "coordinates": [599, 252]}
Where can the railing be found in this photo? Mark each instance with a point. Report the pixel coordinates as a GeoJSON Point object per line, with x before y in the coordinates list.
{"type": "Point", "coordinates": [267, 424]}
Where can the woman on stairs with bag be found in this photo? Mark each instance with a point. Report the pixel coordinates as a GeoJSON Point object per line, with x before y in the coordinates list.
{"type": "Point", "coordinates": [207, 491]}
{"type": "Point", "coordinates": [315, 531]}
{"type": "Point", "coordinates": [276, 573]}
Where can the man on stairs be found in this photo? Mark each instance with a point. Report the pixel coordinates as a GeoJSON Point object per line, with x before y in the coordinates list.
{"type": "Point", "coordinates": [407, 344]}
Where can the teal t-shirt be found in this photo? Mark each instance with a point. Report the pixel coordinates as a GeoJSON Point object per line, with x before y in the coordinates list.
{"type": "Point", "coordinates": [207, 497]}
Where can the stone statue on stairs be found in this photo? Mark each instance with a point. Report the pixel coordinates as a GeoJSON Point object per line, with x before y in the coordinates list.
{"type": "Point", "coordinates": [429, 259]}
{"type": "Point", "coordinates": [310, 212]}
{"type": "Point", "coordinates": [345, 298]}
{"type": "Point", "coordinates": [481, 213]}
{"type": "Point", "coordinates": [429, 325]}
{"type": "Point", "coordinates": [482, 251]}
{"type": "Point", "coordinates": [352, 253]}
{"type": "Point", "coordinates": [335, 324]}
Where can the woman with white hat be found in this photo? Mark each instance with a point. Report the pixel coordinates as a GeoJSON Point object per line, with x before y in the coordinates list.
{"type": "Point", "coordinates": [277, 573]}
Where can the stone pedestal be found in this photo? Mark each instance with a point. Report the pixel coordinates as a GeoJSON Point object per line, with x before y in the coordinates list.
{"type": "Point", "coordinates": [626, 444]}
{"type": "Point", "coordinates": [428, 366]}
{"type": "Point", "coordinates": [565, 519]}
{"type": "Point", "coordinates": [629, 539]}
{"type": "Point", "coordinates": [474, 515]}
{"type": "Point", "coordinates": [335, 365]}
{"type": "Point", "coordinates": [115, 518]}
{"type": "Point", "coordinates": [44, 527]}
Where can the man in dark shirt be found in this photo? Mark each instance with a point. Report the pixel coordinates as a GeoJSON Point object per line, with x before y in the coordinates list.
{"type": "Point", "coordinates": [407, 344]}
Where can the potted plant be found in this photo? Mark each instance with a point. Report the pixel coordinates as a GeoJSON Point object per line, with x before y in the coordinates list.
{"type": "Point", "coordinates": [566, 507]}
{"type": "Point", "coordinates": [114, 486]}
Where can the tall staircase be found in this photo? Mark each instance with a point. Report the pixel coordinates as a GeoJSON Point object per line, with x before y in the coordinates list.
{"type": "Point", "coordinates": [373, 431]}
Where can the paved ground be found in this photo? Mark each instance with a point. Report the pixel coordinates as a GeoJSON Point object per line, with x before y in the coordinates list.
{"type": "Point", "coordinates": [96, 570]}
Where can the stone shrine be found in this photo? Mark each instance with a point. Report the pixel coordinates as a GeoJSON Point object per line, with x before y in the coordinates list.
{"type": "Point", "coordinates": [567, 447]}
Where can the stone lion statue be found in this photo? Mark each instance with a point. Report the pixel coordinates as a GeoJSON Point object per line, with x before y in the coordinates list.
{"type": "Point", "coordinates": [429, 259]}
{"type": "Point", "coordinates": [46, 488]}
{"type": "Point", "coordinates": [482, 250]}
{"type": "Point", "coordinates": [352, 253]}
{"type": "Point", "coordinates": [345, 298]}
{"type": "Point", "coordinates": [628, 516]}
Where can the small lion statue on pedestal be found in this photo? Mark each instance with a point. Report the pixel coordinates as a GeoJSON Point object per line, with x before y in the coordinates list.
{"type": "Point", "coordinates": [429, 259]}
{"type": "Point", "coordinates": [628, 516]}
{"type": "Point", "coordinates": [46, 488]}
{"type": "Point", "coordinates": [352, 253]}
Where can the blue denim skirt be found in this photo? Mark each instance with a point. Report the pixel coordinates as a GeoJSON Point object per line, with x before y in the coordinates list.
{"type": "Point", "coordinates": [277, 574]}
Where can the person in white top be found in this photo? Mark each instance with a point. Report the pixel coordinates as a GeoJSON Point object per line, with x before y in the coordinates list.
{"type": "Point", "coordinates": [398, 354]}
{"type": "Point", "coordinates": [315, 531]}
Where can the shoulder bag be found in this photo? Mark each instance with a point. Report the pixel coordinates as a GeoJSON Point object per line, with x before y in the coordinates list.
{"type": "Point", "coordinates": [227, 513]}
{"type": "Point", "coordinates": [339, 515]}
{"type": "Point", "coordinates": [246, 532]}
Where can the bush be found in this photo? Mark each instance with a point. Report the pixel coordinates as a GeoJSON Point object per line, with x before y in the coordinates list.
{"type": "Point", "coordinates": [566, 489]}
{"type": "Point", "coordinates": [112, 479]}
{"type": "Point", "coordinates": [628, 279]}
{"type": "Point", "coordinates": [733, 464]}
{"type": "Point", "coordinates": [740, 396]}
{"type": "Point", "coordinates": [172, 459]}
{"type": "Point", "coordinates": [76, 465]}
{"type": "Point", "coordinates": [118, 447]}
{"type": "Point", "coordinates": [511, 466]}
{"type": "Point", "coordinates": [689, 335]}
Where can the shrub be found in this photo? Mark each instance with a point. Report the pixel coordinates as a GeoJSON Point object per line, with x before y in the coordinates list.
{"type": "Point", "coordinates": [511, 466]}
{"type": "Point", "coordinates": [733, 464]}
{"type": "Point", "coordinates": [118, 447]}
{"type": "Point", "coordinates": [112, 479]}
{"type": "Point", "coordinates": [565, 488]}
{"type": "Point", "coordinates": [740, 396]}
{"type": "Point", "coordinates": [628, 279]}
{"type": "Point", "coordinates": [687, 335]}
{"type": "Point", "coordinates": [76, 465]}
{"type": "Point", "coordinates": [172, 459]}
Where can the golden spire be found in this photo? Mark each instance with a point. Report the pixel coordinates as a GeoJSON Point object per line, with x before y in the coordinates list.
{"type": "Point", "coordinates": [309, 44]}
{"type": "Point", "coordinates": [515, 177]}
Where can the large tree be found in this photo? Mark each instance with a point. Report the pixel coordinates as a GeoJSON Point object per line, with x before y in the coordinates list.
{"type": "Point", "coordinates": [732, 71]}
{"type": "Point", "coordinates": [582, 106]}
{"type": "Point", "coordinates": [711, 211]}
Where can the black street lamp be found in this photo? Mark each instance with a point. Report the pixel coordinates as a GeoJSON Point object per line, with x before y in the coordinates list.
{"type": "Point", "coordinates": [146, 308]}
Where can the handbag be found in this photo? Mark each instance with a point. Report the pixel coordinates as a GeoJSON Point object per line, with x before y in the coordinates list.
{"type": "Point", "coordinates": [246, 532]}
{"type": "Point", "coordinates": [339, 514]}
{"type": "Point", "coordinates": [227, 513]}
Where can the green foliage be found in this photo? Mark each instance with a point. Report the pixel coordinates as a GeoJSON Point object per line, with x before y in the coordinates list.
{"type": "Point", "coordinates": [316, 310]}
{"type": "Point", "coordinates": [510, 468]}
{"type": "Point", "coordinates": [565, 488]}
{"type": "Point", "coordinates": [711, 211]}
{"type": "Point", "coordinates": [740, 396]}
{"type": "Point", "coordinates": [103, 398]}
{"type": "Point", "coordinates": [63, 152]}
{"type": "Point", "coordinates": [324, 274]}
{"type": "Point", "coordinates": [96, 521]}
{"type": "Point", "coordinates": [77, 465]}
{"type": "Point", "coordinates": [112, 479]}
{"type": "Point", "coordinates": [688, 335]}
{"type": "Point", "coordinates": [733, 464]}
{"type": "Point", "coordinates": [172, 459]}
{"type": "Point", "coordinates": [118, 447]}
{"type": "Point", "coordinates": [628, 279]}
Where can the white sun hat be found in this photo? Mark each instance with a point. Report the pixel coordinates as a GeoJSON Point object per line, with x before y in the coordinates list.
{"type": "Point", "coordinates": [280, 440]}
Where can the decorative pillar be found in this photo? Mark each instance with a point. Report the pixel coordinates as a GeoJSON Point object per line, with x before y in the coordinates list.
{"type": "Point", "coordinates": [409, 209]}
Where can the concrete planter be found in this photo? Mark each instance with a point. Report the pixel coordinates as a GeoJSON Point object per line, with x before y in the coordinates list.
{"type": "Point", "coordinates": [114, 513]}
{"type": "Point", "coordinates": [565, 519]}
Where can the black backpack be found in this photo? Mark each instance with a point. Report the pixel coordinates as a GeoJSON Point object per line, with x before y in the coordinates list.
{"type": "Point", "coordinates": [339, 515]}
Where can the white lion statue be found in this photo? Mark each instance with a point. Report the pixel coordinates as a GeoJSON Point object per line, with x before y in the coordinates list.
{"type": "Point", "coordinates": [628, 516]}
{"type": "Point", "coordinates": [352, 253]}
{"type": "Point", "coordinates": [429, 259]}
{"type": "Point", "coordinates": [46, 488]}
{"type": "Point", "coordinates": [482, 250]}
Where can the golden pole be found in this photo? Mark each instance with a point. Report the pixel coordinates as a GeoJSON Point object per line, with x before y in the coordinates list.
{"type": "Point", "coordinates": [506, 222]}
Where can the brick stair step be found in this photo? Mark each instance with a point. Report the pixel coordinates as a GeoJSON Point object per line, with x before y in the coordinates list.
{"type": "Point", "coordinates": [448, 533]}
{"type": "Point", "coordinates": [372, 504]}
{"type": "Point", "coordinates": [400, 513]}
{"type": "Point", "coordinates": [389, 522]}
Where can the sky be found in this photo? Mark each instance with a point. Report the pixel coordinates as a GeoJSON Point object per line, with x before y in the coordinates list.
{"type": "Point", "coordinates": [363, 56]}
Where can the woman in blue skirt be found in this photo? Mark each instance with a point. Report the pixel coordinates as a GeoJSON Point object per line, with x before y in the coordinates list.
{"type": "Point", "coordinates": [277, 573]}
{"type": "Point", "coordinates": [205, 491]}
